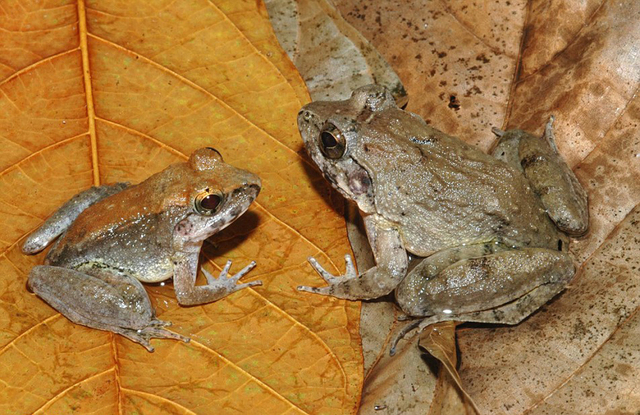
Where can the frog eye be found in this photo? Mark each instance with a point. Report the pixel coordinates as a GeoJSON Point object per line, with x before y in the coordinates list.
{"type": "Point", "coordinates": [207, 203]}
{"type": "Point", "coordinates": [331, 141]}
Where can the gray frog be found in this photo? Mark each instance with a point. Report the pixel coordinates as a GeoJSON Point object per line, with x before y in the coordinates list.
{"type": "Point", "coordinates": [492, 228]}
{"type": "Point", "coordinates": [109, 238]}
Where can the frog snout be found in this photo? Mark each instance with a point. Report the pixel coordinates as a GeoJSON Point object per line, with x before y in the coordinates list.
{"type": "Point", "coordinates": [305, 121]}
{"type": "Point", "coordinates": [304, 115]}
{"type": "Point", "coordinates": [253, 181]}
{"type": "Point", "coordinates": [316, 112]}
{"type": "Point", "coordinates": [253, 189]}
{"type": "Point", "coordinates": [251, 185]}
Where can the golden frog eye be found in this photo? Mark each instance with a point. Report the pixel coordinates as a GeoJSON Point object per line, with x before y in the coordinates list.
{"type": "Point", "coordinates": [332, 143]}
{"type": "Point", "coordinates": [208, 203]}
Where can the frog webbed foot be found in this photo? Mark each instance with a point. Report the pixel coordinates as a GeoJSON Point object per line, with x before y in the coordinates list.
{"type": "Point", "coordinates": [230, 284]}
{"type": "Point", "coordinates": [188, 293]}
{"type": "Point", "coordinates": [335, 282]}
{"type": "Point", "coordinates": [155, 330]}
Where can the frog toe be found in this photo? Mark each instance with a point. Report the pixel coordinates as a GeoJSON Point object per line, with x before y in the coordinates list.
{"type": "Point", "coordinates": [161, 333]}
{"type": "Point", "coordinates": [154, 331]}
{"type": "Point", "coordinates": [244, 271]}
{"type": "Point", "coordinates": [160, 323]}
{"type": "Point", "coordinates": [314, 290]}
{"type": "Point", "coordinates": [408, 328]}
{"type": "Point", "coordinates": [230, 282]}
{"type": "Point", "coordinates": [327, 276]}
{"type": "Point", "coordinates": [249, 284]}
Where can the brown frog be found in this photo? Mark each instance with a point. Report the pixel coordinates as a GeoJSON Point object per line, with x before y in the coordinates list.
{"type": "Point", "coordinates": [493, 229]}
{"type": "Point", "coordinates": [109, 238]}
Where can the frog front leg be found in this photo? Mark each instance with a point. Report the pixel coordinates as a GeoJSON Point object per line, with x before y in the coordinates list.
{"type": "Point", "coordinates": [485, 283]}
{"type": "Point", "coordinates": [184, 280]}
{"type": "Point", "coordinates": [101, 298]}
{"type": "Point", "coordinates": [60, 221]}
{"type": "Point", "coordinates": [549, 176]}
{"type": "Point", "coordinates": [391, 266]}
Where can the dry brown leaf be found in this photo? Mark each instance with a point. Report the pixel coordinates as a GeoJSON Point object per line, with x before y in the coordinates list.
{"type": "Point", "coordinates": [403, 384]}
{"type": "Point", "coordinates": [470, 65]}
{"type": "Point", "coordinates": [456, 58]}
{"type": "Point", "coordinates": [450, 397]}
{"type": "Point", "coordinates": [333, 58]}
{"type": "Point", "coordinates": [102, 91]}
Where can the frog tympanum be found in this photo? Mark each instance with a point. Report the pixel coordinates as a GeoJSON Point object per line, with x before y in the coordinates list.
{"type": "Point", "coordinates": [493, 229]}
{"type": "Point", "coordinates": [109, 238]}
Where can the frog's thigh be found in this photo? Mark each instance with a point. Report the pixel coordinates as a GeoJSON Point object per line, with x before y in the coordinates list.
{"type": "Point", "coordinates": [409, 292]}
{"type": "Point", "coordinates": [487, 282]}
{"type": "Point", "coordinates": [104, 301]}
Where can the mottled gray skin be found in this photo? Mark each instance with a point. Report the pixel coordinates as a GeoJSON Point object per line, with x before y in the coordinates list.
{"type": "Point", "coordinates": [109, 238]}
{"type": "Point", "coordinates": [492, 228]}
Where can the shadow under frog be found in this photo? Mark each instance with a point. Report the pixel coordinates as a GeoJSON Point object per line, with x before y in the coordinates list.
{"type": "Point", "coordinates": [109, 238]}
{"type": "Point", "coordinates": [493, 229]}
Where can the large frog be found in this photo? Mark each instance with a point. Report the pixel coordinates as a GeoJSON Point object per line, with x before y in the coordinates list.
{"type": "Point", "coordinates": [493, 229]}
{"type": "Point", "coordinates": [109, 238]}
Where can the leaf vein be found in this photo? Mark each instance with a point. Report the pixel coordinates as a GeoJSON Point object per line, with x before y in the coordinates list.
{"type": "Point", "coordinates": [36, 64]}
{"type": "Point", "coordinates": [162, 398]}
{"type": "Point", "coordinates": [241, 34]}
{"type": "Point", "coordinates": [201, 89]}
{"type": "Point", "coordinates": [248, 374]}
{"type": "Point", "coordinates": [21, 335]}
{"type": "Point", "coordinates": [62, 392]}
{"type": "Point", "coordinates": [88, 89]}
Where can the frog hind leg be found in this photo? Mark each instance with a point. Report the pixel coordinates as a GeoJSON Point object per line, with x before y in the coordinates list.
{"type": "Point", "coordinates": [549, 176]}
{"type": "Point", "coordinates": [60, 221]}
{"type": "Point", "coordinates": [503, 287]}
{"type": "Point", "coordinates": [104, 300]}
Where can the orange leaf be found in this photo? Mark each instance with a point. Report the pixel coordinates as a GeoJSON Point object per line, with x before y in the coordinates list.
{"type": "Point", "coordinates": [103, 91]}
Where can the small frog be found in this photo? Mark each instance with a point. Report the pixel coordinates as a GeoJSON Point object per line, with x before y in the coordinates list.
{"type": "Point", "coordinates": [493, 229]}
{"type": "Point", "coordinates": [109, 238]}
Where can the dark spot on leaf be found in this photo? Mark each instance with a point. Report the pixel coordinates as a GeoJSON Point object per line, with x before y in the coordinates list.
{"type": "Point", "coordinates": [454, 103]}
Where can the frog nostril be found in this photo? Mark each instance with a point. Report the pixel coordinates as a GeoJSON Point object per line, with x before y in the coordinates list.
{"type": "Point", "coordinates": [306, 115]}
